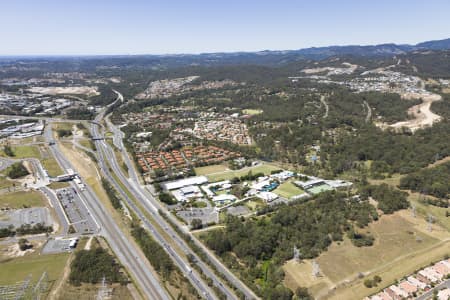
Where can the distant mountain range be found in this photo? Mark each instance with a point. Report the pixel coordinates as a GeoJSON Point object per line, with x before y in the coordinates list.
{"type": "Point", "coordinates": [270, 57]}
{"type": "Point", "coordinates": [266, 57]}
{"type": "Point", "coordinates": [375, 50]}
{"type": "Point", "coordinates": [324, 52]}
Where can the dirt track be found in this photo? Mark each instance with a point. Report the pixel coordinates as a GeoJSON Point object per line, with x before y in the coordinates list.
{"type": "Point", "coordinates": [423, 116]}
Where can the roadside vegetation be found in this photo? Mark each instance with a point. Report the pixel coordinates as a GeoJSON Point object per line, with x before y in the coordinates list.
{"type": "Point", "coordinates": [432, 181]}
{"type": "Point", "coordinates": [90, 266]}
{"type": "Point", "coordinates": [17, 170]}
{"type": "Point", "coordinates": [260, 246]}
{"type": "Point", "coordinates": [162, 263]}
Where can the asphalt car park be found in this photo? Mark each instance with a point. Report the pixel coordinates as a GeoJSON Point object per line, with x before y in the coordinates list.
{"type": "Point", "coordinates": [77, 213]}
{"type": "Point", "coordinates": [57, 245]}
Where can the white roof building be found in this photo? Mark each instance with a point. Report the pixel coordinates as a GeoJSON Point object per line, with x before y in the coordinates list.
{"type": "Point", "coordinates": [261, 184]}
{"type": "Point", "coordinates": [444, 294]}
{"type": "Point", "coordinates": [414, 281]}
{"type": "Point", "coordinates": [398, 291]}
{"type": "Point", "coordinates": [282, 176]}
{"type": "Point", "coordinates": [309, 183]}
{"type": "Point", "coordinates": [336, 184]}
{"type": "Point", "coordinates": [178, 184]}
{"type": "Point", "coordinates": [224, 198]}
{"type": "Point", "coordinates": [267, 196]}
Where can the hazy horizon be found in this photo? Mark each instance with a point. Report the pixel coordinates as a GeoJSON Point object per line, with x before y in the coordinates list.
{"type": "Point", "coordinates": [138, 27]}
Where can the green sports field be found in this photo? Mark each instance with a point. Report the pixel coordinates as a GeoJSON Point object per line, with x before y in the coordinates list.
{"type": "Point", "coordinates": [226, 175]}
{"type": "Point", "coordinates": [287, 190]}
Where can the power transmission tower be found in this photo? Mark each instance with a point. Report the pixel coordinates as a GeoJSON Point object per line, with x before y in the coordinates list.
{"type": "Point", "coordinates": [315, 269]}
{"type": "Point", "coordinates": [296, 254]}
{"type": "Point", "coordinates": [21, 292]}
{"type": "Point", "coordinates": [104, 292]}
{"type": "Point", "coordinates": [41, 286]}
{"type": "Point", "coordinates": [430, 222]}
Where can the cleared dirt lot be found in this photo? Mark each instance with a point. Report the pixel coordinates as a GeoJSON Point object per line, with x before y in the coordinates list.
{"type": "Point", "coordinates": [402, 245]}
{"type": "Point", "coordinates": [57, 90]}
{"type": "Point", "coordinates": [423, 116]}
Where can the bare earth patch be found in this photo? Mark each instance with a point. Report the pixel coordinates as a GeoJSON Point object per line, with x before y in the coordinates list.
{"type": "Point", "coordinates": [423, 116]}
{"type": "Point", "coordinates": [57, 90]}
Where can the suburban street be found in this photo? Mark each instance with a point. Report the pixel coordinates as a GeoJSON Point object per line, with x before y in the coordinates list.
{"type": "Point", "coordinates": [429, 294]}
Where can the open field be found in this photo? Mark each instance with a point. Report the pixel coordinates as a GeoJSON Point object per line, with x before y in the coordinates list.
{"type": "Point", "coordinates": [408, 264]}
{"type": "Point", "coordinates": [422, 209]}
{"type": "Point", "coordinates": [263, 168]}
{"type": "Point", "coordinates": [300, 274]}
{"type": "Point", "coordinates": [58, 185]}
{"type": "Point", "coordinates": [21, 199]}
{"type": "Point", "coordinates": [394, 180]}
{"type": "Point", "coordinates": [402, 245]}
{"type": "Point", "coordinates": [52, 167]}
{"type": "Point", "coordinates": [23, 152]}
{"type": "Point", "coordinates": [210, 169]}
{"type": "Point", "coordinates": [86, 143]}
{"type": "Point", "coordinates": [90, 291]}
{"type": "Point", "coordinates": [252, 112]}
{"type": "Point", "coordinates": [254, 204]}
{"type": "Point", "coordinates": [62, 125]}
{"type": "Point", "coordinates": [4, 182]}
{"type": "Point", "coordinates": [19, 268]}
{"type": "Point", "coordinates": [439, 213]}
{"type": "Point", "coordinates": [287, 190]}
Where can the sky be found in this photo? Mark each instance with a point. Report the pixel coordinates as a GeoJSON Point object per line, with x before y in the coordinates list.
{"type": "Point", "coordinates": [97, 27]}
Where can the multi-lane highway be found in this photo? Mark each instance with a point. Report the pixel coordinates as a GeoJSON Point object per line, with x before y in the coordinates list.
{"type": "Point", "coordinates": [106, 154]}
{"type": "Point", "coordinates": [128, 253]}
{"type": "Point", "coordinates": [151, 205]}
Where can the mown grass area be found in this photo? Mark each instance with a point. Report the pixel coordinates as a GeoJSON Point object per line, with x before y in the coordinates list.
{"type": "Point", "coordinates": [439, 213]}
{"type": "Point", "coordinates": [252, 112]}
{"type": "Point", "coordinates": [63, 126]}
{"type": "Point", "coordinates": [288, 189]}
{"type": "Point", "coordinates": [18, 269]}
{"type": "Point", "coordinates": [5, 183]}
{"type": "Point", "coordinates": [394, 237]}
{"type": "Point", "coordinates": [22, 199]}
{"type": "Point", "coordinates": [58, 185]}
{"type": "Point", "coordinates": [52, 167]}
{"type": "Point", "coordinates": [254, 204]}
{"type": "Point", "coordinates": [263, 168]}
{"type": "Point", "coordinates": [25, 151]}
{"type": "Point", "coordinates": [398, 269]}
{"type": "Point", "coordinates": [210, 169]}
{"type": "Point", "coordinates": [87, 143]}
{"type": "Point", "coordinates": [90, 291]}
{"type": "Point", "coordinates": [400, 247]}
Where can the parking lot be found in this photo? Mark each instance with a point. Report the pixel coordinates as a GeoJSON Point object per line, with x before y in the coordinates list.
{"type": "Point", "coordinates": [239, 210]}
{"type": "Point", "coordinates": [56, 246]}
{"type": "Point", "coordinates": [207, 215]}
{"type": "Point", "coordinates": [19, 217]}
{"type": "Point", "coordinates": [76, 211]}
